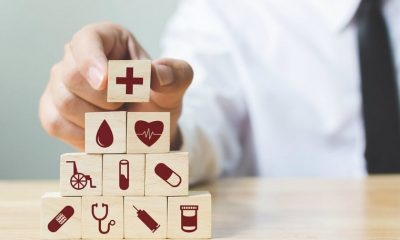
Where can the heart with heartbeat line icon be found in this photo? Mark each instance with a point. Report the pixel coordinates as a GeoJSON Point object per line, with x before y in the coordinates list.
{"type": "Point", "coordinates": [149, 132]}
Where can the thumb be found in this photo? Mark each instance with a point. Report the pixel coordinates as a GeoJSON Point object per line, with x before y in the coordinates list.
{"type": "Point", "coordinates": [170, 77]}
{"type": "Point", "coordinates": [169, 80]}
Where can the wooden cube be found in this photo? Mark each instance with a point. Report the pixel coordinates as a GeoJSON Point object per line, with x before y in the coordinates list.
{"type": "Point", "coordinates": [148, 132]}
{"type": "Point", "coordinates": [129, 80]}
{"type": "Point", "coordinates": [167, 174]}
{"type": "Point", "coordinates": [80, 174]}
{"type": "Point", "coordinates": [60, 217]}
{"type": "Point", "coordinates": [145, 217]}
{"type": "Point", "coordinates": [123, 174]}
{"type": "Point", "coordinates": [190, 216]}
{"type": "Point", "coordinates": [105, 132]}
{"type": "Point", "coordinates": [102, 217]}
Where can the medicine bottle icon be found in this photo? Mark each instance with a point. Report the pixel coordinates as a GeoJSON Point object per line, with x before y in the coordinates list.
{"type": "Point", "coordinates": [189, 218]}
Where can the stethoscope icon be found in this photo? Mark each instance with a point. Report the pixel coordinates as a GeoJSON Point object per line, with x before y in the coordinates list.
{"type": "Point", "coordinates": [110, 223]}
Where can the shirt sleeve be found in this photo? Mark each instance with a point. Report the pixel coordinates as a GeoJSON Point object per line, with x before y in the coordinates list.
{"type": "Point", "coordinates": [213, 110]}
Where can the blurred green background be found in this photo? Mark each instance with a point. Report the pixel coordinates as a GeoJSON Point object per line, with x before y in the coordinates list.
{"type": "Point", "coordinates": [32, 37]}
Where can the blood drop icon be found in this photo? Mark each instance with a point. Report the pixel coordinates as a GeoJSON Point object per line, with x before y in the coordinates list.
{"type": "Point", "coordinates": [104, 136]}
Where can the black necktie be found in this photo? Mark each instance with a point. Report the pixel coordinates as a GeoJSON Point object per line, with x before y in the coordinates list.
{"type": "Point", "coordinates": [379, 90]}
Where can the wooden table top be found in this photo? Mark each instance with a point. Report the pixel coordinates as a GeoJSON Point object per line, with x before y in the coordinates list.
{"type": "Point", "coordinates": [255, 208]}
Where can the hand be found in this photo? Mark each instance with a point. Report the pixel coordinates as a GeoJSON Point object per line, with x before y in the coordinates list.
{"type": "Point", "coordinates": [78, 83]}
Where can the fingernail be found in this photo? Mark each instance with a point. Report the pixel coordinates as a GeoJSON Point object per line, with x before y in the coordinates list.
{"type": "Point", "coordinates": [166, 76]}
{"type": "Point", "coordinates": [95, 76]}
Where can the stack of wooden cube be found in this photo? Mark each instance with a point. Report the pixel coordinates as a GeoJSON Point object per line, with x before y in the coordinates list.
{"type": "Point", "coordinates": [127, 184]}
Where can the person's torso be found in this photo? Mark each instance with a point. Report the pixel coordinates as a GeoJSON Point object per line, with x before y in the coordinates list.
{"type": "Point", "coordinates": [300, 77]}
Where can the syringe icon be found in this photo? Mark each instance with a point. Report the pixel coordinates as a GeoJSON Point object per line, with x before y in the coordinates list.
{"type": "Point", "coordinates": [147, 219]}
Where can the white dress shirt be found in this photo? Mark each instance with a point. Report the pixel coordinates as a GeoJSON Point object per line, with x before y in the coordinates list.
{"type": "Point", "coordinates": [276, 90]}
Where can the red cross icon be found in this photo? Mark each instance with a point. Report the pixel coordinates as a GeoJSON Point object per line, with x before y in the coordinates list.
{"type": "Point", "coordinates": [129, 80]}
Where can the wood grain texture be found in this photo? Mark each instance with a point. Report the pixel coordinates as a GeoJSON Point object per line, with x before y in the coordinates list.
{"type": "Point", "coordinates": [89, 171]}
{"type": "Point", "coordinates": [254, 208]}
{"type": "Point", "coordinates": [181, 211]}
{"type": "Point", "coordinates": [176, 182]}
{"type": "Point", "coordinates": [90, 225]}
{"type": "Point", "coordinates": [117, 123]}
{"type": "Point", "coordinates": [136, 145]}
{"type": "Point", "coordinates": [117, 92]}
{"type": "Point", "coordinates": [155, 207]}
{"type": "Point", "coordinates": [53, 207]}
{"type": "Point", "coordinates": [132, 170]}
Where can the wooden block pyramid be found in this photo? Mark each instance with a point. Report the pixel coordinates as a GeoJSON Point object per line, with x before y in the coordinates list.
{"type": "Point", "coordinates": [127, 184]}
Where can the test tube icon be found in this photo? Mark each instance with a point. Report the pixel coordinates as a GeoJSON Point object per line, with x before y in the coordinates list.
{"type": "Point", "coordinates": [147, 219]}
{"type": "Point", "coordinates": [123, 174]}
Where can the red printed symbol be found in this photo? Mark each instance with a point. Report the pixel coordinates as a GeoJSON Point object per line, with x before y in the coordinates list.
{"type": "Point", "coordinates": [149, 132]}
{"type": "Point", "coordinates": [104, 136]}
{"type": "Point", "coordinates": [129, 80]}
{"type": "Point", "coordinates": [147, 219]}
{"type": "Point", "coordinates": [60, 219]}
{"type": "Point", "coordinates": [168, 175]}
{"type": "Point", "coordinates": [123, 174]}
{"type": "Point", "coordinates": [101, 219]}
{"type": "Point", "coordinates": [189, 218]}
{"type": "Point", "coordinates": [79, 180]}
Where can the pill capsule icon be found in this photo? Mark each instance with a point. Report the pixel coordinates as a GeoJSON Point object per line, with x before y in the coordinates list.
{"type": "Point", "coordinates": [168, 175]}
{"type": "Point", "coordinates": [61, 218]}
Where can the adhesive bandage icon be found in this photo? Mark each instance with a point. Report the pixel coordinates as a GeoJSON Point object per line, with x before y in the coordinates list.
{"type": "Point", "coordinates": [60, 219]}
